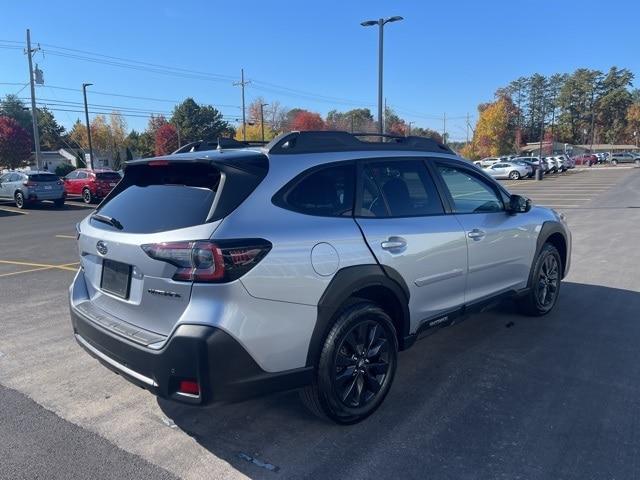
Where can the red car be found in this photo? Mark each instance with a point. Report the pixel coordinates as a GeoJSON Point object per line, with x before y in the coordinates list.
{"type": "Point", "coordinates": [90, 185]}
{"type": "Point", "coordinates": [585, 159]}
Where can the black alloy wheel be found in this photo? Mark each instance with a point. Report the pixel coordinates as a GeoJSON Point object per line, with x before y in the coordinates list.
{"type": "Point", "coordinates": [361, 364]}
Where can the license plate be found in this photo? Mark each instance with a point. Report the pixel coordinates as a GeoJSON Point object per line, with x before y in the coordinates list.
{"type": "Point", "coordinates": [47, 187]}
{"type": "Point", "coordinates": [116, 278]}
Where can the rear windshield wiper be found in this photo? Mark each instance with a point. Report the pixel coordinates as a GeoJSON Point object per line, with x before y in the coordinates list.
{"type": "Point", "coordinates": [108, 220]}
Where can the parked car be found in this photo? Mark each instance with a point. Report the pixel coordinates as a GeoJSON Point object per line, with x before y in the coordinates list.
{"type": "Point", "coordinates": [625, 157]}
{"type": "Point", "coordinates": [552, 164]}
{"type": "Point", "coordinates": [90, 185]}
{"type": "Point", "coordinates": [585, 159]}
{"type": "Point", "coordinates": [487, 162]}
{"type": "Point", "coordinates": [511, 170]}
{"type": "Point", "coordinates": [28, 187]}
{"type": "Point", "coordinates": [219, 277]}
{"type": "Point", "coordinates": [563, 162]}
{"type": "Point", "coordinates": [533, 162]}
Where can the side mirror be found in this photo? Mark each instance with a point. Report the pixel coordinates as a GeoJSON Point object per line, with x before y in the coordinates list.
{"type": "Point", "coordinates": [519, 204]}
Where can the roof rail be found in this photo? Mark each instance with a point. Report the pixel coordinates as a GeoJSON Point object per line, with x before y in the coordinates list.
{"type": "Point", "coordinates": [339, 141]}
{"type": "Point", "coordinates": [219, 143]}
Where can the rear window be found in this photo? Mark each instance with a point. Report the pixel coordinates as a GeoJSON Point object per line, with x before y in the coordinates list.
{"type": "Point", "coordinates": [154, 199]}
{"type": "Point", "coordinates": [43, 177]}
{"type": "Point", "coordinates": [113, 176]}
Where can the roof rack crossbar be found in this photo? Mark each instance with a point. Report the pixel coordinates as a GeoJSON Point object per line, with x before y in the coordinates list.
{"type": "Point", "coordinates": [340, 141]}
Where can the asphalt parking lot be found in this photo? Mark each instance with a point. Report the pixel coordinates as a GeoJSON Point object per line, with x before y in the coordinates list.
{"type": "Point", "coordinates": [497, 396]}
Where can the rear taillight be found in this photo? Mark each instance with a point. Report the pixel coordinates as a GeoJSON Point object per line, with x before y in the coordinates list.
{"type": "Point", "coordinates": [207, 261]}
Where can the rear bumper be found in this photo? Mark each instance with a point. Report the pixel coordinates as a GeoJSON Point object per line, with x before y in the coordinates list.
{"type": "Point", "coordinates": [45, 195]}
{"type": "Point", "coordinates": [223, 369]}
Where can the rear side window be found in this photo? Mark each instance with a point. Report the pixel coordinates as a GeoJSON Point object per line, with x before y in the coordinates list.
{"type": "Point", "coordinates": [108, 176]}
{"type": "Point", "coordinates": [154, 199]}
{"type": "Point", "coordinates": [399, 188]}
{"type": "Point", "coordinates": [326, 192]}
{"type": "Point", "coordinates": [43, 177]}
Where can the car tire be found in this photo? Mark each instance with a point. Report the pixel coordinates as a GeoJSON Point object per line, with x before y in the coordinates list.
{"type": "Point", "coordinates": [20, 201]}
{"type": "Point", "coordinates": [87, 197]}
{"type": "Point", "coordinates": [514, 175]}
{"type": "Point", "coordinates": [59, 203]}
{"type": "Point", "coordinates": [545, 283]}
{"type": "Point", "coordinates": [614, 162]}
{"type": "Point", "coordinates": [356, 367]}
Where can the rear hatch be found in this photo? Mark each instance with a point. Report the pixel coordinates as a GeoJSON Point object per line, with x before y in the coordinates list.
{"type": "Point", "coordinates": [45, 183]}
{"type": "Point", "coordinates": [156, 203]}
{"type": "Point", "coordinates": [107, 180]}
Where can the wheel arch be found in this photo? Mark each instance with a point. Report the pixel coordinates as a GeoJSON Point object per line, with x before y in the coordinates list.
{"type": "Point", "coordinates": [382, 286]}
{"type": "Point", "coordinates": [554, 233]}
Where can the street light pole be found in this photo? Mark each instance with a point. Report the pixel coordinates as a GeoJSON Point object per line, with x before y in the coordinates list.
{"type": "Point", "coordinates": [86, 116]}
{"type": "Point", "coordinates": [262, 105]}
{"type": "Point", "coordinates": [381, 22]}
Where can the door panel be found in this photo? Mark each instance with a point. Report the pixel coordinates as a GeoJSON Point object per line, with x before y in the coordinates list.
{"type": "Point", "coordinates": [404, 224]}
{"type": "Point", "coordinates": [500, 245]}
{"type": "Point", "coordinates": [500, 252]}
{"type": "Point", "coordinates": [433, 261]}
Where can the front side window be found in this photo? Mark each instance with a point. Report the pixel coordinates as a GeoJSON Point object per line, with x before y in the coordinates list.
{"type": "Point", "coordinates": [326, 192]}
{"type": "Point", "coordinates": [469, 193]}
{"type": "Point", "coordinates": [399, 188]}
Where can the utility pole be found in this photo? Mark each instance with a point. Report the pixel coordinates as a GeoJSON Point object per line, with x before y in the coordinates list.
{"type": "Point", "coordinates": [409, 128]}
{"type": "Point", "coordinates": [353, 119]}
{"type": "Point", "coordinates": [34, 113]}
{"type": "Point", "coordinates": [262, 105]}
{"type": "Point", "coordinates": [593, 93]}
{"type": "Point", "coordinates": [467, 127]}
{"type": "Point", "coordinates": [444, 128]}
{"type": "Point", "coordinates": [86, 116]}
{"type": "Point", "coordinates": [242, 84]}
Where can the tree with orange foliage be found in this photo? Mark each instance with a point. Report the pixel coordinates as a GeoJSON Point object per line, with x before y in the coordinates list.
{"type": "Point", "coordinates": [166, 139]}
{"type": "Point", "coordinates": [495, 131]}
{"type": "Point", "coordinates": [305, 120]}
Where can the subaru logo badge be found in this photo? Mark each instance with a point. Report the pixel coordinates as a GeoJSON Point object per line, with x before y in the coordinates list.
{"type": "Point", "coordinates": [101, 247]}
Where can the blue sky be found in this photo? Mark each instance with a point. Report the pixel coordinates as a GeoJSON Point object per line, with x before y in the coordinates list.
{"type": "Point", "coordinates": [444, 57]}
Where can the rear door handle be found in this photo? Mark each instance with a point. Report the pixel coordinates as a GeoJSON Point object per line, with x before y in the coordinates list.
{"type": "Point", "coordinates": [394, 243]}
{"type": "Point", "coordinates": [476, 234]}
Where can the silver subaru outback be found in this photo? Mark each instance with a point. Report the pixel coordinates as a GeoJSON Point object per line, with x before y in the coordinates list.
{"type": "Point", "coordinates": [310, 263]}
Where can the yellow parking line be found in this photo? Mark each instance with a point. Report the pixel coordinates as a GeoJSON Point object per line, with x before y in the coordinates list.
{"type": "Point", "coordinates": [24, 271]}
{"type": "Point", "coordinates": [72, 237]}
{"type": "Point", "coordinates": [65, 266]}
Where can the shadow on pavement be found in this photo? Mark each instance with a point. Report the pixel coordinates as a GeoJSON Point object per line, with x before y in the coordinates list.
{"type": "Point", "coordinates": [50, 206]}
{"type": "Point", "coordinates": [500, 395]}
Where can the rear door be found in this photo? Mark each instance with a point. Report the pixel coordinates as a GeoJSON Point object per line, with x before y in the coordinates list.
{"type": "Point", "coordinates": [152, 205]}
{"type": "Point", "coordinates": [501, 245]}
{"type": "Point", "coordinates": [404, 223]}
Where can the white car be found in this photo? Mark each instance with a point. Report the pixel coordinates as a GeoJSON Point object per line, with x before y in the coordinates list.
{"type": "Point", "coordinates": [564, 163]}
{"type": "Point", "coordinates": [487, 162]}
{"type": "Point", "coordinates": [514, 171]}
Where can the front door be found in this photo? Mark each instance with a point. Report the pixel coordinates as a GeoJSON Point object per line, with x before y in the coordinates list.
{"type": "Point", "coordinates": [403, 220]}
{"type": "Point", "coordinates": [501, 245]}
